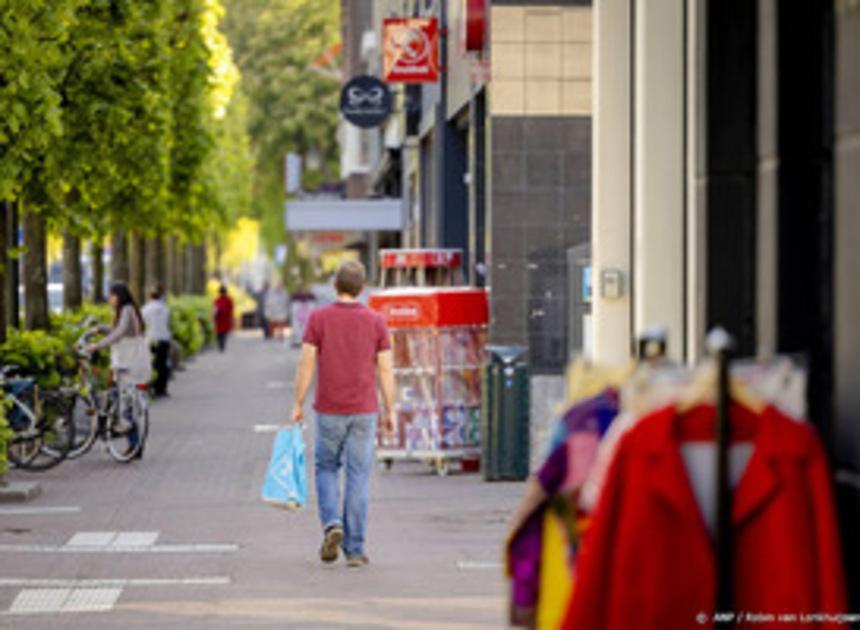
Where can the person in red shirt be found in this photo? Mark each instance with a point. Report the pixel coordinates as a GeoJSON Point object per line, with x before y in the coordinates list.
{"type": "Point", "coordinates": [223, 317]}
{"type": "Point", "coordinates": [349, 344]}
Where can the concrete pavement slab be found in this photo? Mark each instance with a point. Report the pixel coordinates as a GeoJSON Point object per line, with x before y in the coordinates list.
{"type": "Point", "coordinates": [19, 491]}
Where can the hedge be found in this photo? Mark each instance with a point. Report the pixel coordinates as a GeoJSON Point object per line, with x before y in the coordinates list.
{"type": "Point", "coordinates": [5, 434]}
{"type": "Point", "coordinates": [191, 323]}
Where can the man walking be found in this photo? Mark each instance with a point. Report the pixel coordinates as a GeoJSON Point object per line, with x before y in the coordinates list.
{"type": "Point", "coordinates": [351, 344]}
{"type": "Point", "coordinates": [156, 314]}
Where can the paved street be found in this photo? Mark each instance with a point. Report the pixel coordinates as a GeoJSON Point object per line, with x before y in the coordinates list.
{"type": "Point", "coordinates": [182, 540]}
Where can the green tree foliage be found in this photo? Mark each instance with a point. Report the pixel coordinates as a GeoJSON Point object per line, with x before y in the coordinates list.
{"type": "Point", "coordinates": [121, 115]}
{"type": "Point", "coordinates": [33, 37]}
{"type": "Point", "coordinates": [191, 130]}
{"type": "Point", "coordinates": [292, 107]}
{"type": "Point", "coordinates": [211, 163]}
{"type": "Point", "coordinates": [230, 165]}
{"type": "Point", "coordinates": [111, 167]}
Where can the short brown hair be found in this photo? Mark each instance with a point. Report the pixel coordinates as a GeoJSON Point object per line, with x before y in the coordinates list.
{"type": "Point", "coordinates": [350, 278]}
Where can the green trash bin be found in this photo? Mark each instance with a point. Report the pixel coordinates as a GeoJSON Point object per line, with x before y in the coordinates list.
{"type": "Point", "coordinates": [506, 414]}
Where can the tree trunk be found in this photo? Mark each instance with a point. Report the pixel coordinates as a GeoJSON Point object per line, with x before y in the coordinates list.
{"type": "Point", "coordinates": [72, 283]}
{"type": "Point", "coordinates": [201, 276]}
{"type": "Point", "coordinates": [218, 246]}
{"type": "Point", "coordinates": [35, 272]}
{"type": "Point", "coordinates": [119, 257]}
{"type": "Point", "coordinates": [12, 316]}
{"type": "Point", "coordinates": [196, 269]}
{"type": "Point", "coordinates": [97, 254]}
{"type": "Point", "coordinates": [5, 209]}
{"type": "Point", "coordinates": [174, 266]}
{"type": "Point", "coordinates": [156, 272]}
{"type": "Point", "coordinates": [188, 268]}
{"type": "Point", "coordinates": [137, 267]}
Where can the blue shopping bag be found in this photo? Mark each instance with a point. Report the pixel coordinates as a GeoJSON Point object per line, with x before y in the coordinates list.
{"type": "Point", "coordinates": [286, 482]}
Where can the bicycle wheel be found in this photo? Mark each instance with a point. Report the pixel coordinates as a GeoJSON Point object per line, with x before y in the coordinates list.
{"type": "Point", "coordinates": [23, 449]}
{"type": "Point", "coordinates": [128, 425]}
{"type": "Point", "coordinates": [85, 416]}
{"type": "Point", "coordinates": [52, 440]}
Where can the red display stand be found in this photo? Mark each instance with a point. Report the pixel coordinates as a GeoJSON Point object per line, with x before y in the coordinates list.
{"type": "Point", "coordinates": [421, 267]}
{"type": "Point", "coordinates": [439, 339]}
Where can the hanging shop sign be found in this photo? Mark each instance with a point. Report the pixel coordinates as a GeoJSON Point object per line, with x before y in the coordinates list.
{"type": "Point", "coordinates": [410, 50]}
{"type": "Point", "coordinates": [365, 101]}
{"type": "Point", "coordinates": [475, 24]}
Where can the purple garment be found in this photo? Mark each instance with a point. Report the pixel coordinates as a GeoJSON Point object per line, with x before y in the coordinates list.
{"type": "Point", "coordinates": [592, 414]}
{"type": "Point", "coordinates": [553, 472]}
{"type": "Point", "coordinates": [524, 555]}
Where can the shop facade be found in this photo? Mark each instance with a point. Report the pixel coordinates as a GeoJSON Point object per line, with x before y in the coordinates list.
{"type": "Point", "coordinates": [726, 193]}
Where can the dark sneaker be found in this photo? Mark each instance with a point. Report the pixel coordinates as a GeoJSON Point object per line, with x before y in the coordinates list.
{"type": "Point", "coordinates": [357, 561]}
{"type": "Point", "coordinates": [331, 544]}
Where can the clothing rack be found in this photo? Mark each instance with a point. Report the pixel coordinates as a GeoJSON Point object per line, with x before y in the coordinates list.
{"type": "Point", "coordinates": [720, 345]}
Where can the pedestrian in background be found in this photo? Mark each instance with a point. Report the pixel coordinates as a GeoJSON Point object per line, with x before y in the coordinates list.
{"type": "Point", "coordinates": [351, 346]}
{"type": "Point", "coordinates": [156, 314]}
{"type": "Point", "coordinates": [223, 317]}
{"type": "Point", "coordinates": [277, 310]}
{"type": "Point", "coordinates": [261, 310]}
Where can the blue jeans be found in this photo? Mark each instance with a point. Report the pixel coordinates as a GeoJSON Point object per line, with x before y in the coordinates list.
{"type": "Point", "coordinates": [348, 440]}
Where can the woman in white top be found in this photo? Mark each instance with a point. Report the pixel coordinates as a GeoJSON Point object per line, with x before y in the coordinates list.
{"type": "Point", "coordinates": [127, 323]}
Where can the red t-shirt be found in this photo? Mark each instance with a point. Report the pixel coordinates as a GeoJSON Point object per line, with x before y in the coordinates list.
{"type": "Point", "coordinates": [348, 336]}
{"type": "Point", "coordinates": [223, 314]}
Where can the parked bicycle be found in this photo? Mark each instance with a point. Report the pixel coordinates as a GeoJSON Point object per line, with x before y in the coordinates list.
{"type": "Point", "coordinates": [43, 431]}
{"type": "Point", "coordinates": [116, 414]}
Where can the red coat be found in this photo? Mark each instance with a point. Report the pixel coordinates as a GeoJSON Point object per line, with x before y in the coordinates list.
{"type": "Point", "coordinates": [648, 561]}
{"type": "Point", "coordinates": [223, 314]}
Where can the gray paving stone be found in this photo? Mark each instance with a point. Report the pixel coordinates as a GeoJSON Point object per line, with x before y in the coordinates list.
{"type": "Point", "coordinates": [435, 543]}
{"type": "Point", "coordinates": [19, 491]}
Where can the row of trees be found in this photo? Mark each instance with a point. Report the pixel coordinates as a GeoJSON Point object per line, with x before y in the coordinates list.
{"type": "Point", "coordinates": [279, 46]}
{"type": "Point", "coordinates": [122, 126]}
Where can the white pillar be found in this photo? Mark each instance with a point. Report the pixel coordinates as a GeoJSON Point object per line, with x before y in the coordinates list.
{"type": "Point", "coordinates": [697, 173]}
{"type": "Point", "coordinates": [611, 202]}
{"type": "Point", "coordinates": [660, 170]}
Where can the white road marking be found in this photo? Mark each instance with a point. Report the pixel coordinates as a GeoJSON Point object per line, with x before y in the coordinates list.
{"type": "Point", "coordinates": [64, 600]}
{"type": "Point", "coordinates": [39, 600]}
{"type": "Point", "coordinates": [51, 583]}
{"type": "Point", "coordinates": [193, 548]}
{"type": "Point", "coordinates": [135, 539]}
{"type": "Point", "coordinates": [267, 428]}
{"type": "Point", "coordinates": [38, 511]}
{"type": "Point", "coordinates": [91, 539]}
{"type": "Point", "coordinates": [472, 565]}
{"type": "Point", "coordinates": [92, 600]}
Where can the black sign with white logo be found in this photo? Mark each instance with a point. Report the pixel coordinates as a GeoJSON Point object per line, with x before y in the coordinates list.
{"type": "Point", "coordinates": [365, 101]}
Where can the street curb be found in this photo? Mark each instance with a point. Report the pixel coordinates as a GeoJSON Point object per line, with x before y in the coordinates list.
{"type": "Point", "coordinates": [19, 491]}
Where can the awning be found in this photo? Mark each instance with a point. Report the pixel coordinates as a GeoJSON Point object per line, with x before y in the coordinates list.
{"type": "Point", "coordinates": [341, 215]}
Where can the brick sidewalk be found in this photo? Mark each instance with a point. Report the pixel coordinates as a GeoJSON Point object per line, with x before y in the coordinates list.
{"type": "Point", "coordinates": [222, 558]}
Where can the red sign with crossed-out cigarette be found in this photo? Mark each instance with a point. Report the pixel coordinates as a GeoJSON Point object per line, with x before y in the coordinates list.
{"type": "Point", "coordinates": [410, 50]}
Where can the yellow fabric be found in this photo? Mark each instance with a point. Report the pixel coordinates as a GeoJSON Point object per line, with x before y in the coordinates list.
{"type": "Point", "coordinates": [585, 379]}
{"type": "Point", "coordinates": [556, 581]}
